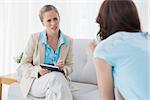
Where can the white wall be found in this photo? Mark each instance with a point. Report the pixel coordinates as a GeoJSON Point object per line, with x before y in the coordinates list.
{"type": "Point", "coordinates": [143, 7]}
{"type": "Point", "coordinates": [19, 18]}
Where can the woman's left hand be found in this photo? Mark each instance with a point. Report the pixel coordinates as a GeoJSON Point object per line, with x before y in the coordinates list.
{"type": "Point", "coordinates": [91, 47]}
{"type": "Point", "coordinates": [60, 64]}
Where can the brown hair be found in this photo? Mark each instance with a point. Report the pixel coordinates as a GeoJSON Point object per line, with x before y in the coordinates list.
{"type": "Point", "coordinates": [45, 9]}
{"type": "Point", "coordinates": [117, 15]}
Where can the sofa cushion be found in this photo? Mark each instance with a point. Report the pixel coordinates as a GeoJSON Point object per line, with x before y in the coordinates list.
{"type": "Point", "coordinates": [14, 92]}
{"type": "Point", "coordinates": [88, 74]}
{"type": "Point", "coordinates": [92, 95]}
{"type": "Point", "coordinates": [84, 70]}
{"type": "Point", "coordinates": [83, 88]}
{"type": "Point", "coordinates": [79, 58]}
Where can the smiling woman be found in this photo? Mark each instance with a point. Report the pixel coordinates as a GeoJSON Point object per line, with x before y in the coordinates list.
{"type": "Point", "coordinates": [47, 47]}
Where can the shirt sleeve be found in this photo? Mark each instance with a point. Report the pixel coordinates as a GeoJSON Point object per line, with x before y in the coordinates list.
{"type": "Point", "coordinates": [102, 51]}
{"type": "Point", "coordinates": [108, 50]}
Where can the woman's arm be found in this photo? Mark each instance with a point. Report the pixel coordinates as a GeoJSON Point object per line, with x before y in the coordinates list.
{"type": "Point", "coordinates": [27, 67]}
{"type": "Point", "coordinates": [118, 95]}
{"type": "Point", "coordinates": [104, 79]}
{"type": "Point", "coordinates": [68, 66]}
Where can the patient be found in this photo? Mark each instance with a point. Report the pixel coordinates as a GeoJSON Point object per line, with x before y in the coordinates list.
{"type": "Point", "coordinates": [52, 47]}
{"type": "Point", "coordinates": [121, 58]}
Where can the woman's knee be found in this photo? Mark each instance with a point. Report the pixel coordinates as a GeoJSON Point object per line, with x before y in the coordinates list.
{"type": "Point", "coordinates": [53, 76]}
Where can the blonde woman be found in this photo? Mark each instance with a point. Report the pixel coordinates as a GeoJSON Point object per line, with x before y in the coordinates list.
{"type": "Point", "coordinates": [51, 47]}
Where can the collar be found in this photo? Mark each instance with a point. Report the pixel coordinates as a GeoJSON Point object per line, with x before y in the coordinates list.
{"type": "Point", "coordinates": [62, 38]}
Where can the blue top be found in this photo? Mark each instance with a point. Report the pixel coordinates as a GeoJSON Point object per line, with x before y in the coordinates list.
{"type": "Point", "coordinates": [129, 57]}
{"type": "Point", "coordinates": [50, 56]}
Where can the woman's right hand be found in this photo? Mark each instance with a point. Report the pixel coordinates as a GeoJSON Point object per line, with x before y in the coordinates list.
{"type": "Point", "coordinates": [43, 71]}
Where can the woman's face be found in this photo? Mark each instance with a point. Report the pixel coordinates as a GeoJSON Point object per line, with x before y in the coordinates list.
{"type": "Point", "coordinates": [51, 21]}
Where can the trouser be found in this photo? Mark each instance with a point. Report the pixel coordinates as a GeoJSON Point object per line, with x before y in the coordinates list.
{"type": "Point", "coordinates": [52, 86]}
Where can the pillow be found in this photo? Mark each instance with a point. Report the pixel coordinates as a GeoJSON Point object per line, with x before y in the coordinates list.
{"type": "Point", "coordinates": [88, 74]}
{"type": "Point", "coordinates": [83, 69]}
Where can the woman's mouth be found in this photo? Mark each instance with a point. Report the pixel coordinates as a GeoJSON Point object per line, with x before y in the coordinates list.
{"type": "Point", "coordinates": [54, 28]}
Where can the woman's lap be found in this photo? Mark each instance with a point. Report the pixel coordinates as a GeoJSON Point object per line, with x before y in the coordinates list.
{"type": "Point", "coordinates": [41, 85]}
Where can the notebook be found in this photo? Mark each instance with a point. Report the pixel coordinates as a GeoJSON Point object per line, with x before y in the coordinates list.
{"type": "Point", "coordinates": [50, 67]}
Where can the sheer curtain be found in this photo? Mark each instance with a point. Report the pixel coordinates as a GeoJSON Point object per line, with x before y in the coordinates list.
{"type": "Point", "coordinates": [19, 18]}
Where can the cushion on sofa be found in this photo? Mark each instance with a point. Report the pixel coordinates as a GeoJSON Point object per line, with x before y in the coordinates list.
{"type": "Point", "coordinates": [92, 95]}
{"type": "Point", "coordinates": [89, 72]}
{"type": "Point", "coordinates": [84, 70]}
{"type": "Point", "coordinates": [15, 92]}
{"type": "Point", "coordinates": [84, 89]}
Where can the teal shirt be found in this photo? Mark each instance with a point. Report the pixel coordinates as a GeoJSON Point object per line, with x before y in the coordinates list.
{"type": "Point", "coordinates": [51, 57]}
{"type": "Point", "coordinates": [129, 57]}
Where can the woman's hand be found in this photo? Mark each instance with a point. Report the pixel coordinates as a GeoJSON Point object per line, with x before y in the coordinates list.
{"type": "Point", "coordinates": [43, 71]}
{"type": "Point", "coordinates": [60, 64]}
{"type": "Point", "coordinates": [91, 47]}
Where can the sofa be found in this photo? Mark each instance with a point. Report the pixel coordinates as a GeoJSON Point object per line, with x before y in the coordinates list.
{"type": "Point", "coordinates": [84, 76]}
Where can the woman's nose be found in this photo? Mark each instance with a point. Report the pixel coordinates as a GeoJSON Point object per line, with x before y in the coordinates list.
{"type": "Point", "coordinates": [53, 23]}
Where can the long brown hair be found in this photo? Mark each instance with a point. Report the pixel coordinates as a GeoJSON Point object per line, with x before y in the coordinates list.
{"type": "Point", "coordinates": [117, 15]}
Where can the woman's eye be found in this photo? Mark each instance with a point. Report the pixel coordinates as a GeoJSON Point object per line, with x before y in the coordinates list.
{"type": "Point", "coordinates": [55, 19]}
{"type": "Point", "coordinates": [48, 20]}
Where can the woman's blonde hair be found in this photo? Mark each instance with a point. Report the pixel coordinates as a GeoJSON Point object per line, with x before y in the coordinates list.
{"type": "Point", "coordinates": [45, 9]}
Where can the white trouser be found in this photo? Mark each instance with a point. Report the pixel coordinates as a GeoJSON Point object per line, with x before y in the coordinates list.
{"type": "Point", "coordinates": [52, 86]}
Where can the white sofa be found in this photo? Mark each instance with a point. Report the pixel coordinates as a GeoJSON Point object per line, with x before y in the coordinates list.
{"type": "Point", "coordinates": [84, 76]}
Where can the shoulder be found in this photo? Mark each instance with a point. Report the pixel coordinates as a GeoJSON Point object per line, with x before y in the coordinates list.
{"type": "Point", "coordinates": [114, 40]}
{"type": "Point", "coordinates": [109, 45]}
{"type": "Point", "coordinates": [69, 39]}
{"type": "Point", "coordinates": [34, 37]}
{"type": "Point", "coordinates": [114, 43]}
